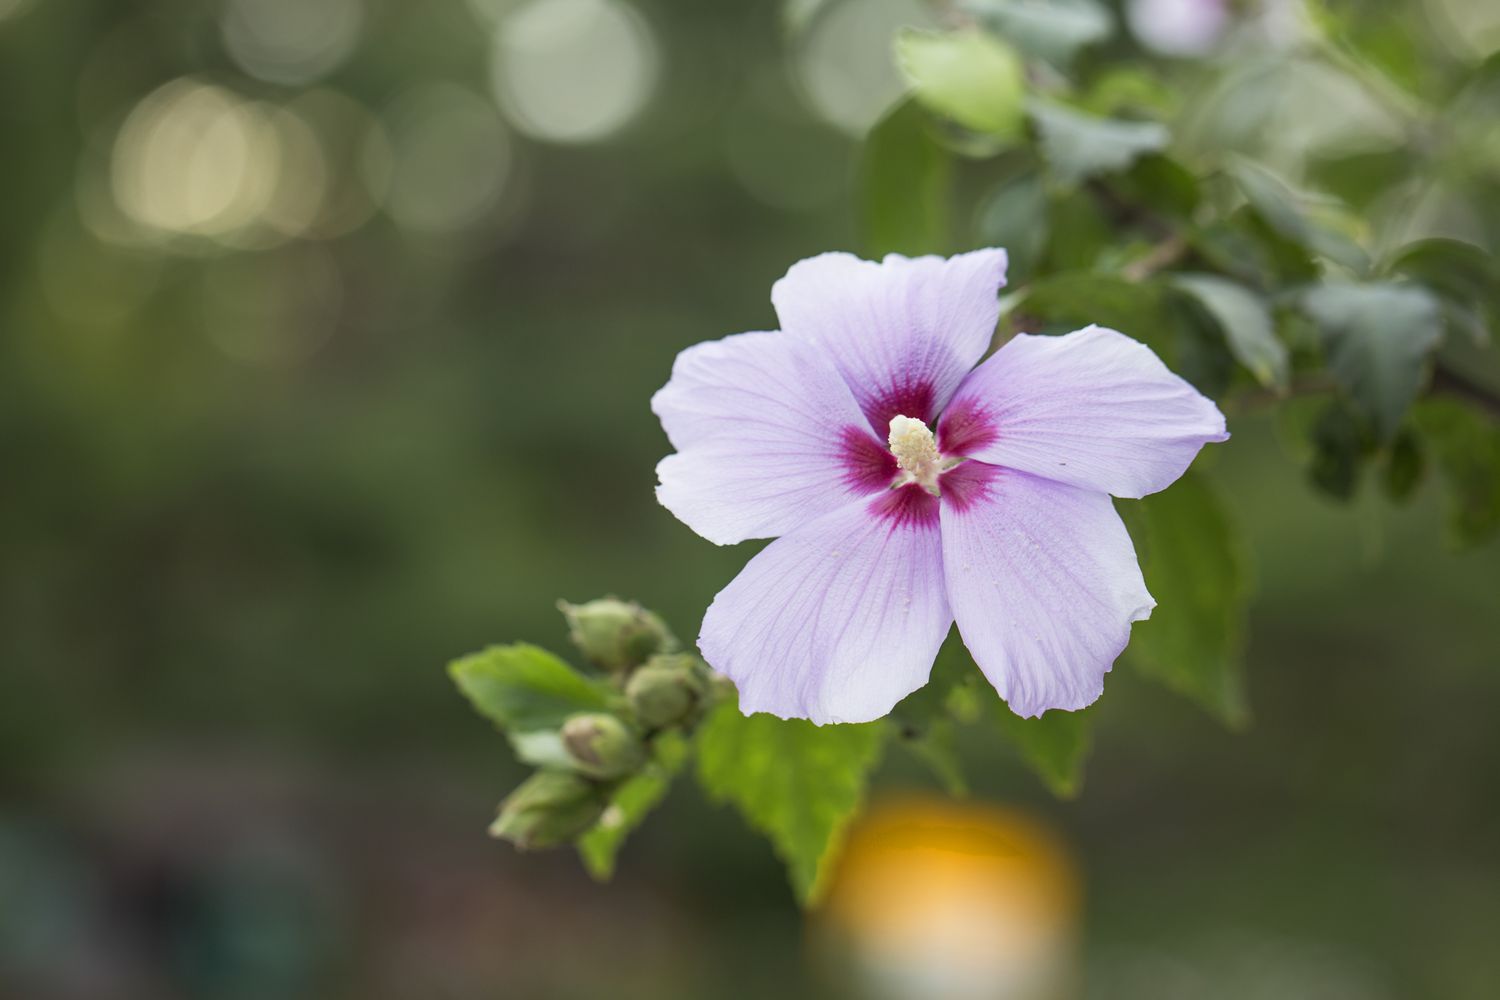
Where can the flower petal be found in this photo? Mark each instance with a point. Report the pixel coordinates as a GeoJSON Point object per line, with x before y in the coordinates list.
{"type": "Point", "coordinates": [902, 332]}
{"type": "Point", "coordinates": [839, 620]}
{"type": "Point", "coordinates": [1043, 581]}
{"type": "Point", "coordinates": [1093, 409]}
{"type": "Point", "coordinates": [768, 438]}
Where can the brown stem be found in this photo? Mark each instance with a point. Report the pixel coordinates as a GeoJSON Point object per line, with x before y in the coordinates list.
{"type": "Point", "coordinates": [1166, 253]}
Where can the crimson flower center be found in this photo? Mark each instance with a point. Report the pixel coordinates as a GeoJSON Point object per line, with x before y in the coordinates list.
{"type": "Point", "coordinates": [917, 455]}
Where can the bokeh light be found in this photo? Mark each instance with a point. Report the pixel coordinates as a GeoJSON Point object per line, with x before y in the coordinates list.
{"type": "Point", "coordinates": [845, 64]}
{"type": "Point", "coordinates": [194, 158]}
{"type": "Point", "coordinates": [573, 71]}
{"type": "Point", "coordinates": [290, 41]}
{"type": "Point", "coordinates": [936, 900]}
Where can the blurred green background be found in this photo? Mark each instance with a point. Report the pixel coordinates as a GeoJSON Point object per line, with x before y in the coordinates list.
{"type": "Point", "coordinates": [327, 335]}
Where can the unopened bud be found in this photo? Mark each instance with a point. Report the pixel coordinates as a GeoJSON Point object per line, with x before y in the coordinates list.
{"type": "Point", "coordinates": [617, 635]}
{"type": "Point", "coordinates": [549, 808]}
{"type": "Point", "coordinates": [602, 746]}
{"type": "Point", "coordinates": [667, 690]}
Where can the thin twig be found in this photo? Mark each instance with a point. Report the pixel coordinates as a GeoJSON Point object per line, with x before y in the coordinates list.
{"type": "Point", "coordinates": [1166, 253]}
{"type": "Point", "coordinates": [1449, 382]}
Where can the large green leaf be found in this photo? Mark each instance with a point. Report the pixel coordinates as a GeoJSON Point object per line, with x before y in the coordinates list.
{"type": "Point", "coordinates": [1055, 745]}
{"type": "Point", "coordinates": [797, 783]}
{"type": "Point", "coordinates": [904, 186]}
{"type": "Point", "coordinates": [1279, 206]}
{"type": "Point", "coordinates": [1377, 338]}
{"type": "Point", "coordinates": [523, 688]}
{"type": "Point", "coordinates": [967, 75]}
{"type": "Point", "coordinates": [1466, 446]}
{"type": "Point", "coordinates": [1194, 566]}
{"type": "Point", "coordinates": [1078, 145]}
{"type": "Point", "coordinates": [1245, 320]}
{"type": "Point", "coordinates": [1053, 29]}
{"type": "Point", "coordinates": [630, 803]}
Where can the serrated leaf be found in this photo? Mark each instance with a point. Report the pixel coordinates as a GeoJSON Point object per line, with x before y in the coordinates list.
{"type": "Point", "coordinates": [629, 805]}
{"type": "Point", "coordinates": [1376, 338]}
{"type": "Point", "coordinates": [1194, 565]}
{"type": "Point", "coordinates": [1465, 444]}
{"type": "Point", "coordinates": [523, 688]}
{"type": "Point", "coordinates": [797, 783]}
{"type": "Point", "coordinates": [1245, 320]}
{"type": "Point", "coordinates": [904, 185]}
{"type": "Point", "coordinates": [1055, 30]}
{"type": "Point", "coordinates": [1078, 146]}
{"type": "Point", "coordinates": [1054, 744]}
{"type": "Point", "coordinates": [968, 76]}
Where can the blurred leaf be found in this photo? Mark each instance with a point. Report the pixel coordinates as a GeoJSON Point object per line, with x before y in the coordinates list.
{"type": "Point", "coordinates": [925, 718]}
{"type": "Point", "coordinates": [630, 803]}
{"type": "Point", "coordinates": [1404, 466]}
{"type": "Point", "coordinates": [1079, 146]}
{"type": "Point", "coordinates": [1341, 443]}
{"type": "Point", "coordinates": [523, 688]}
{"type": "Point", "coordinates": [904, 184]}
{"type": "Point", "coordinates": [1279, 206]}
{"type": "Point", "coordinates": [968, 76]}
{"type": "Point", "coordinates": [1055, 745]}
{"type": "Point", "coordinates": [1133, 308]}
{"type": "Point", "coordinates": [1079, 232]}
{"type": "Point", "coordinates": [1194, 565]}
{"type": "Point", "coordinates": [1466, 278]}
{"type": "Point", "coordinates": [797, 783]}
{"type": "Point", "coordinates": [1161, 184]}
{"type": "Point", "coordinates": [798, 15]}
{"type": "Point", "coordinates": [1465, 444]}
{"type": "Point", "coordinates": [1245, 320]}
{"type": "Point", "coordinates": [1015, 217]}
{"type": "Point", "coordinates": [1377, 338]}
{"type": "Point", "coordinates": [1053, 29]}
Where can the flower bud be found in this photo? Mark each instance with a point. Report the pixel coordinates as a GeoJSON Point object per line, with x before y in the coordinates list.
{"type": "Point", "coordinates": [667, 690]}
{"type": "Point", "coordinates": [602, 746]}
{"type": "Point", "coordinates": [616, 635]}
{"type": "Point", "coordinates": [549, 808]}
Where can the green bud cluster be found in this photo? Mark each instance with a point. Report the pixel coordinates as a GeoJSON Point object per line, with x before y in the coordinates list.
{"type": "Point", "coordinates": [616, 635]}
{"type": "Point", "coordinates": [659, 688]}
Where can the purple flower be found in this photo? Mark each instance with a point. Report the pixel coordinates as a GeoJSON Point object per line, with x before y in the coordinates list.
{"type": "Point", "coordinates": [820, 435]}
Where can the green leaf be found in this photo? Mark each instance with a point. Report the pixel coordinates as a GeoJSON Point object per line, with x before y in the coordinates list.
{"type": "Point", "coordinates": [1245, 320]}
{"type": "Point", "coordinates": [1015, 217]}
{"type": "Point", "coordinates": [1404, 466]}
{"type": "Point", "coordinates": [904, 185]}
{"type": "Point", "coordinates": [1194, 566]}
{"type": "Point", "coordinates": [523, 688]}
{"type": "Point", "coordinates": [1377, 338]}
{"type": "Point", "coordinates": [797, 783]}
{"type": "Point", "coordinates": [1280, 207]}
{"type": "Point", "coordinates": [1466, 446]}
{"type": "Point", "coordinates": [968, 75]}
{"type": "Point", "coordinates": [1465, 277]}
{"type": "Point", "coordinates": [1071, 300]}
{"type": "Point", "coordinates": [1055, 745]}
{"type": "Point", "coordinates": [1078, 146]}
{"type": "Point", "coordinates": [1055, 30]}
{"type": "Point", "coordinates": [630, 803]}
{"type": "Point", "coordinates": [1341, 445]}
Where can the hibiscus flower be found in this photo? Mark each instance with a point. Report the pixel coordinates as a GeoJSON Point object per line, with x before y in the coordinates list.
{"type": "Point", "coordinates": [907, 488]}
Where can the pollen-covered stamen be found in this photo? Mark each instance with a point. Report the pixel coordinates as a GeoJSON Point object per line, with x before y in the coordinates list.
{"type": "Point", "coordinates": [916, 453]}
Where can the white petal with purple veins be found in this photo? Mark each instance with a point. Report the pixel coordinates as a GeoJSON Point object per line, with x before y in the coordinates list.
{"type": "Point", "coordinates": [1043, 582]}
{"type": "Point", "coordinates": [1094, 409]}
{"type": "Point", "coordinates": [768, 438]}
{"type": "Point", "coordinates": [840, 619]}
{"type": "Point", "coordinates": [902, 332]}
